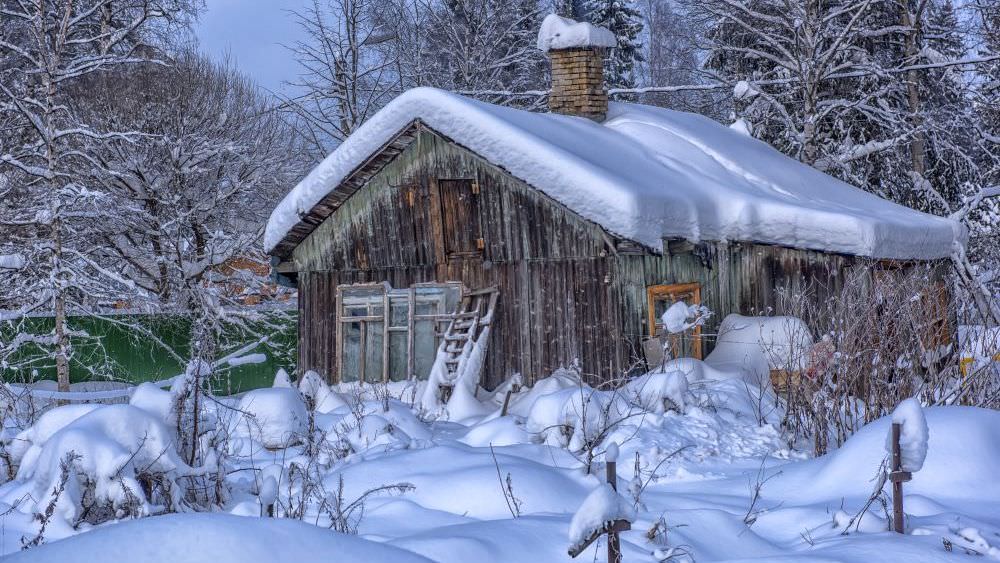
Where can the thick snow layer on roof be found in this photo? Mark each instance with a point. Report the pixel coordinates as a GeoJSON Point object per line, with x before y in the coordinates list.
{"type": "Point", "coordinates": [644, 174]}
{"type": "Point", "coordinates": [563, 33]}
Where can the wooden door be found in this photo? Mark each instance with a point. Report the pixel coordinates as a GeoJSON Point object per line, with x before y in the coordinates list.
{"type": "Point", "coordinates": [461, 227]}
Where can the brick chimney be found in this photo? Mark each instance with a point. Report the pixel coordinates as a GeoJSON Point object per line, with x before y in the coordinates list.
{"type": "Point", "coordinates": [576, 54]}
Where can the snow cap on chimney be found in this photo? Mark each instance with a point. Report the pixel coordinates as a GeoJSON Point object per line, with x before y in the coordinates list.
{"type": "Point", "coordinates": [576, 54]}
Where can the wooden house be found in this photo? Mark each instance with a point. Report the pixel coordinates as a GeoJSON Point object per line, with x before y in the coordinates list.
{"type": "Point", "coordinates": [588, 221]}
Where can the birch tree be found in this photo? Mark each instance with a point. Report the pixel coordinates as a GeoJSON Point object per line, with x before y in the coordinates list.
{"type": "Point", "coordinates": [47, 46]}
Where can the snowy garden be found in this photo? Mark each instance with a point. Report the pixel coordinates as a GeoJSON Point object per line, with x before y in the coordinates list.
{"type": "Point", "coordinates": [706, 470]}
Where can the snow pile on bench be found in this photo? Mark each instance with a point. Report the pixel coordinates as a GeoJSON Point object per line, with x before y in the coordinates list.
{"type": "Point", "coordinates": [645, 173]}
{"type": "Point", "coordinates": [564, 33]}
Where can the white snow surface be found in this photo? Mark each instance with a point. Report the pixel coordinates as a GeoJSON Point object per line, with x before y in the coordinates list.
{"type": "Point", "coordinates": [912, 435]}
{"type": "Point", "coordinates": [558, 32]}
{"type": "Point", "coordinates": [214, 538]}
{"type": "Point", "coordinates": [760, 344]}
{"type": "Point", "coordinates": [11, 261]}
{"type": "Point", "coordinates": [695, 469]}
{"type": "Point", "coordinates": [646, 173]}
{"type": "Point", "coordinates": [601, 506]}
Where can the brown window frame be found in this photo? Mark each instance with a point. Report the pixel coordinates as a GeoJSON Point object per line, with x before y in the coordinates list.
{"type": "Point", "coordinates": [663, 292]}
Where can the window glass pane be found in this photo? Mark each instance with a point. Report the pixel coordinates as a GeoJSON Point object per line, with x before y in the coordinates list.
{"type": "Point", "coordinates": [352, 350]}
{"type": "Point", "coordinates": [397, 356]}
{"type": "Point", "coordinates": [424, 348]}
{"type": "Point", "coordinates": [399, 313]}
{"type": "Point", "coordinates": [373, 352]}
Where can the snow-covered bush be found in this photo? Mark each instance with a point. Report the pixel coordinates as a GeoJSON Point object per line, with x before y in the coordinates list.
{"type": "Point", "coordinates": [112, 462]}
{"type": "Point", "coordinates": [659, 392]}
{"type": "Point", "coordinates": [883, 337]}
{"type": "Point", "coordinates": [275, 417]}
{"type": "Point", "coordinates": [577, 418]}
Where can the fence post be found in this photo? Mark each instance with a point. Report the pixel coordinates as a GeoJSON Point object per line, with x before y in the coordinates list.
{"type": "Point", "coordinates": [614, 546]}
{"type": "Point", "coordinates": [897, 477]}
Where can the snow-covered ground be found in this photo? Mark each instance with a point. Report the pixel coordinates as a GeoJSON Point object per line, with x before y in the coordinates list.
{"type": "Point", "coordinates": [702, 467]}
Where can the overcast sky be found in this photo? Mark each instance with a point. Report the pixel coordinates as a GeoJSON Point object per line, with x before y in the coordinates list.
{"type": "Point", "coordinates": [253, 32]}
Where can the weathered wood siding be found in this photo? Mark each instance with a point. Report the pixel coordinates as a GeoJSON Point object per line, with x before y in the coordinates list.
{"type": "Point", "coordinates": [553, 269]}
{"type": "Point", "coordinates": [569, 291]}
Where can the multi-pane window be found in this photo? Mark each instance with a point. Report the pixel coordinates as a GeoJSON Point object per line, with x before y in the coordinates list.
{"type": "Point", "coordinates": [388, 334]}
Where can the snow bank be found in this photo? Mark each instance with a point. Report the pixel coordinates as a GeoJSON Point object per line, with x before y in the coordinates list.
{"type": "Point", "coordinates": [659, 392]}
{"type": "Point", "coordinates": [215, 538]}
{"type": "Point", "coordinates": [912, 435]}
{"type": "Point", "coordinates": [275, 417]}
{"type": "Point", "coordinates": [602, 506]}
{"type": "Point", "coordinates": [646, 173]}
{"type": "Point", "coordinates": [564, 33]}
{"type": "Point", "coordinates": [756, 345]}
{"type": "Point", "coordinates": [106, 447]}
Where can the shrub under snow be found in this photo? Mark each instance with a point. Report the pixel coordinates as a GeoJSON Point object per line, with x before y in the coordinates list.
{"type": "Point", "coordinates": [106, 452]}
{"type": "Point", "coordinates": [276, 417]}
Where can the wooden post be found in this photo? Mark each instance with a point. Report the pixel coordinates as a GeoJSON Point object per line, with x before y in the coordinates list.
{"type": "Point", "coordinates": [898, 476]}
{"type": "Point", "coordinates": [614, 546]}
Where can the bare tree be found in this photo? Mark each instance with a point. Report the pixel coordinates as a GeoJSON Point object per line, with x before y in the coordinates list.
{"type": "Point", "coordinates": [47, 46]}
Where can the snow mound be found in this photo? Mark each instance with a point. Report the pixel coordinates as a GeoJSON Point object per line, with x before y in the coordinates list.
{"type": "Point", "coordinates": [659, 392]}
{"type": "Point", "coordinates": [573, 418]}
{"type": "Point", "coordinates": [564, 33]}
{"type": "Point", "coordinates": [48, 424]}
{"type": "Point", "coordinates": [215, 538]}
{"type": "Point", "coordinates": [963, 451]}
{"type": "Point", "coordinates": [602, 506]}
{"type": "Point", "coordinates": [316, 391]}
{"type": "Point", "coordinates": [756, 345]}
{"type": "Point", "coordinates": [153, 400]}
{"type": "Point", "coordinates": [276, 417]}
{"type": "Point", "coordinates": [106, 449]}
{"type": "Point", "coordinates": [645, 174]}
{"type": "Point", "coordinates": [912, 435]}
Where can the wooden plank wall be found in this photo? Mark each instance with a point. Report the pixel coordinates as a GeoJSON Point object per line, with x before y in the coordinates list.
{"type": "Point", "coordinates": [566, 293]}
{"type": "Point", "coordinates": [553, 269]}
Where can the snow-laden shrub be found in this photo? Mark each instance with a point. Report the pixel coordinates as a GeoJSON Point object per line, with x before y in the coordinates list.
{"type": "Point", "coordinates": [112, 462]}
{"type": "Point", "coordinates": [386, 425]}
{"type": "Point", "coordinates": [659, 392]}
{"type": "Point", "coordinates": [578, 418]}
{"type": "Point", "coordinates": [275, 417]}
{"type": "Point", "coordinates": [52, 421]}
{"type": "Point", "coordinates": [318, 394]}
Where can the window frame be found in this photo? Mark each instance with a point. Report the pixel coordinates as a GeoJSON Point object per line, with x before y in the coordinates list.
{"type": "Point", "coordinates": [663, 292]}
{"type": "Point", "coordinates": [389, 295]}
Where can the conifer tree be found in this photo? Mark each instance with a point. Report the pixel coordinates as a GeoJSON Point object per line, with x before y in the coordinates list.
{"type": "Point", "coordinates": [625, 21]}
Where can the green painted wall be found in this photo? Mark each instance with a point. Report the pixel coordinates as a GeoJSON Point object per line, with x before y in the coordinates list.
{"type": "Point", "coordinates": [114, 352]}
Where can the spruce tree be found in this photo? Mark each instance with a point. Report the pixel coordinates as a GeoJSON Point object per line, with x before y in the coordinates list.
{"type": "Point", "coordinates": [625, 21]}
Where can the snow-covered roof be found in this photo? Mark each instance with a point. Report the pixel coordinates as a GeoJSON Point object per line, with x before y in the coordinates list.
{"type": "Point", "coordinates": [646, 173]}
{"type": "Point", "coordinates": [563, 33]}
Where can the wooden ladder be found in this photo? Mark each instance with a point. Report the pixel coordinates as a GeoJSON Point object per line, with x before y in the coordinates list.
{"type": "Point", "coordinates": [474, 313]}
